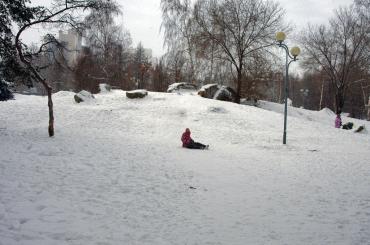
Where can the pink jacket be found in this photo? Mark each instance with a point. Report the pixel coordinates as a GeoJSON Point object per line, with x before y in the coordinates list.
{"type": "Point", "coordinates": [185, 138]}
{"type": "Point", "coordinates": [338, 122]}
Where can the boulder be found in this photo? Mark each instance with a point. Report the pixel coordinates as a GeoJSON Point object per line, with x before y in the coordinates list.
{"type": "Point", "coordinates": [178, 87]}
{"type": "Point", "coordinates": [225, 93]}
{"type": "Point", "coordinates": [134, 94]}
{"type": "Point", "coordinates": [209, 90]}
{"type": "Point", "coordinates": [217, 92]}
{"type": "Point", "coordinates": [83, 96]}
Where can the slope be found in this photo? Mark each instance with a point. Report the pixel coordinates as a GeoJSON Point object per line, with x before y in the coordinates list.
{"type": "Point", "coordinates": [116, 174]}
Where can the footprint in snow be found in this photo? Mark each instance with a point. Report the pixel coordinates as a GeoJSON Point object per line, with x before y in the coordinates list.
{"type": "Point", "coordinates": [40, 207]}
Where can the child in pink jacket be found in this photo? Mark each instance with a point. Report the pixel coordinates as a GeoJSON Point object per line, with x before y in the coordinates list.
{"type": "Point", "coordinates": [188, 142]}
{"type": "Point", "coordinates": [338, 121]}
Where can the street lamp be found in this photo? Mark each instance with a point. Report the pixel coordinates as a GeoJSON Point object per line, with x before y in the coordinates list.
{"type": "Point", "coordinates": [294, 52]}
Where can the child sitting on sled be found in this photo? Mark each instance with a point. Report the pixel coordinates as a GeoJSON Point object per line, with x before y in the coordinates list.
{"type": "Point", "coordinates": [188, 142]}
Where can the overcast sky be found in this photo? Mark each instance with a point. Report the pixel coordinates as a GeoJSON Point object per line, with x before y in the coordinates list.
{"type": "Point", "coordinates": [143, 18]}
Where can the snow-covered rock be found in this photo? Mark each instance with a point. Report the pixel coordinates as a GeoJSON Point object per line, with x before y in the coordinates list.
{"type": "Point", "coordinates": [134, 94]}
{"type": "Point", "coordinates": [83, 96]}
{"type": "Point", "coordinates": [181, 87]}
{"type": "Point", "coordinates": [226, 94]}
{"type": "Point", "coordinates": [217, 92]}
{"type": "Point", "coordinates": [208, 90]}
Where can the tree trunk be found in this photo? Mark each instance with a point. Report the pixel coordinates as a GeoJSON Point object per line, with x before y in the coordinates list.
{"type": "Point", "coordinates": [238, 86]}
{"type": "Point", "coordinates": [321, 95]}
{"type": "Point", "coordinates": [51, 111]}
{"type": "Point", "coordinates": [212, 61]}
{"type": "Point", "coordinates": [339, 100]}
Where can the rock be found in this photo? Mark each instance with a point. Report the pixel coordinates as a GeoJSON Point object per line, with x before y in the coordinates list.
{"type": "Point", "coordinates": [225, 93]}
{"type": "Point", "coordinates": [104, 87]}
{"type": "Point", "coordinates": [83, 96]}
{"type": "Point", "coordinates": [78, 99]}
{"type": "Point", "coordinates": [209, 90]}
{"type": "Point", "coordinates": [181, 87]}
{"type": "Point", "coordinates": [140, 93]}
{"type": "Point", "coordinates": [217, 92]}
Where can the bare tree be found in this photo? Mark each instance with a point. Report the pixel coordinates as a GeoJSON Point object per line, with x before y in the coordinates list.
{"type": "Point", "coordinates": [141, 65]}
{"type": "Point", "coordinates": [160, 78]}
{"type": "Point", "coordinates": [259, 70]}
{"type": "Point", "coordinates": [363, 8]}
{"type": "Point", "coordinates": [238, 28]}
{"type": "Point", "coordinates": [109, 43]}
{"type": "Point", "coordinates": [62, 13]}
{"type": "Point", "coordinates": [85, 70]}
{"type": "Point", "coordinates": [340, 49]}
{"type": "Point", "coordinates": [174, 61]}
{"type": "Point", "coordinates": [179, 33]}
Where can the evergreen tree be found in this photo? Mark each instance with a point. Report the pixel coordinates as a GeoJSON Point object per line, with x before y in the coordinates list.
{"type": "Point", "coordinates": [13, 11]}
{"type": "Point", "coordinates": [5, 92]}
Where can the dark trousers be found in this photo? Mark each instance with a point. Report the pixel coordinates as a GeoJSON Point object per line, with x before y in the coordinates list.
{"type": "Point", "coordinates": [195, 145]}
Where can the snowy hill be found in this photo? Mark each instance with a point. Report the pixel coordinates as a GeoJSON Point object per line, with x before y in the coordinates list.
{"type": "Point", "coordinates": [115, 173]}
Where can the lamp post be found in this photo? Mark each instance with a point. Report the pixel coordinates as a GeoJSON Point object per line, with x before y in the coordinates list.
{"type": "Point", "coordinates": [294, 52]}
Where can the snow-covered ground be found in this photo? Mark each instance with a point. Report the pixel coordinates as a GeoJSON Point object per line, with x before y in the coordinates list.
{"type": "Point", "coordinates": [115, 173]}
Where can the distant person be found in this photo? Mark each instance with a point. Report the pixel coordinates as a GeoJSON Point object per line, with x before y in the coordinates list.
{"type": "Point", "coordinates": [338, 121]}
{"type": "Point", "coordinates": [188, 142]}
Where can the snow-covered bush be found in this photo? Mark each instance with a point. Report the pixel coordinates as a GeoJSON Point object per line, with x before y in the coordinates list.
{"type": "Point", "coordinates": [83, 96]}
{"type": "Point", "coordinates": [104, 87]}
{"type": "Point", "coordinates": [139, 93]}
{"type": "Point", "coordinates": [290, 102]}
{"type": "Point", "coordinates": [5, 91]}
